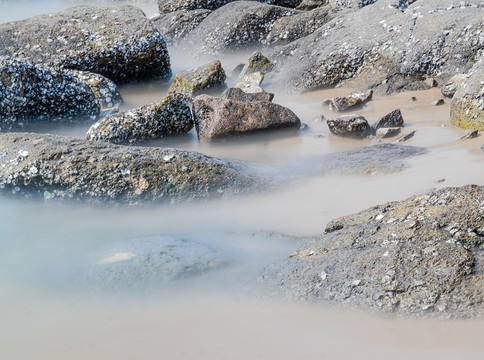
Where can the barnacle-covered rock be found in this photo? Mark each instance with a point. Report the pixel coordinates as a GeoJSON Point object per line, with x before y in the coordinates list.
{"type": "Point", "coordinates": [57, 167]}
{"type": "Point", "coordinates": [170, 116]}
{"type": "Point", "coordinates": [218, 118]}
{"type": "Point", "coordinates": [350, 126]}
{"type": "Point", "coordinates": [168, 6]}
{"type": "Point", "coordinates": [193, 82]}
{"type": "Point", "coordinates": [256, 62]}
{"type": "Point", "coordinates": [347, 102]}
{"type": "Point", "coordinates": [119, 43]}
{"type": "Point", "coordinates": [38, 92]}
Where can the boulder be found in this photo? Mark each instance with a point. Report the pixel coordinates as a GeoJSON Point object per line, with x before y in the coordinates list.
{"type": "Point", "coordinates": [347, 102]}
{"type": "Point", "coordinates": [170, 116]}
{"type": "Point", "coordinates": [421, 256]}
{"type": "Point", "coordinates": [257, 62]}
{"type": "Point", "coordinates": [31, 93]}
{"type": "Point", "coordinates": [168, 6]}
{"type": "Point", "coordinates": [390, 120]}
{"type": "Point", "coordinates": [450, 87]}
{"type": "Point", "coordinates": [176, 25]}
{"type": "Point", "coordinates": [237, 25]}
{"type": "Point", "coordinates": [61, 168]}
{"type": "Point", "coordinates": [395, 51]}
{"type": "Point", "coordinates": [193, 82]}
{"type": "Point", "coordinates": [237, 94]}
{"type": "Point", "coordinates": [119, 43]}
{"type": "Point", "coordinates": [349, 126]}
{"type": "Point", "coordinates": [219, 118]}
{"type": "Point", "coordinates": [467, 105]}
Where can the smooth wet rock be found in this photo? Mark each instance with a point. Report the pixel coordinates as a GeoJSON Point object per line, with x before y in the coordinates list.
{"type": "Point", "coordinates": [349, 126]}
{"type": "Point", "coordinates": [31, 93]}
{"type": "Point", "coordinates": [418, 257]}
{"type": "Point", "coordinates": [62, 168]}
{"type": "Point", "coordinates": [450, 87]}
{"type": "Point", "coordinates": [467, 105]}
{"type": "Point", "coordinates": [176, 25]}
{"type": "Point", "coordinates": [237, 94]}
{"type": "Point", "coordinates": [170, 116]}
{"type": "Point", "coordinates": [387, 132]}
{"type": "Point", "coordinates": [390, 120]}
{"type": "Point", "coordinates": [220, 118]}
{"type": "Point", "coordinates": [348, 102]}
{"type": "Point", "coordinates": [193, 82]}
{"type": "Point", "coordinates": [119, 43]}
{"type": "Point", "coordinates": [257, 62]}
{"type": "Point", "coordinates": [251, 83]}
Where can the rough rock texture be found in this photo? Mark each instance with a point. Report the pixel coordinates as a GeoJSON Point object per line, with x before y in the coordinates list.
{"type": "Point", "coordinates": [251, 83]}
{"type": "Point", "coordinates": [451, 86]}
{"type": "Point", "coordinates": [311, 4]}
{"type": "Point", "coordinates": [218, 118]}
{"type": "Point", "coordinates": [394, 51]}
{"type": "Point", "coordinates": [387, 132]}
{"type": "Point", "coordinates": [467, 106]}
{"type": "Point", "coordinates": [168, 6]}
{"type": "Point", "coordinates": [170, 116]}
{"type": "Point", "coordinates": [245, 24]}
{"type": "Point", "coordinates": [119, 43]}
{"type": "Point", "coordinates": [193, 82]}
{"type": "Point", "coordinates": [347, 102]}
{"type": "Point", "coordinates": [257, 62]}
{"type": "Point", "coordinates": [390, 120]}
{"type": "Point", "coordinates": [37, 92]}
{"type": "Point", "coordinates": [421, 257]}
{"type": "Point", "coordinates": [237, 94]}
{"type": "Point", "coordinates": [176, 25]}
{"type": "Point", "coordinates": [351, 125]}
{"type": "Point", "coordinates": [58, 167]}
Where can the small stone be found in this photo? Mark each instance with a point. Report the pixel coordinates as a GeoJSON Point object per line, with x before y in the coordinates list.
{"type": "Point", "coordinates": [34, 170]}
{"type": "Point", "coordinates": [414, 98]}
{"type": "Point", "coordinates": [470, 134]}
{"type": "Point", "coordinates": [438, 102]}
{"type": "Point", "coordinates": [384, 133]}
{"type": "Point", "coordinates": [405, 137]}
{"type": "Point", "coordinates": [323, 275]}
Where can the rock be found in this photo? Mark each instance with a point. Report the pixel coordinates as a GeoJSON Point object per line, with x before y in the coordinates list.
{"type": "Point", "coordinates": [350, 126]}
{"type": "Point", "coordinates": [347, 102]}
{"type": "Point", "coordinates": [350, 50]}
{"type": "Point", "coordinates": [193, 82]}
{"type": "Point", "coordinates": [245, 24]}
{"type": "Point", "coordinates": [470, 134]}
{"type": "Point", "coordinates": [168, 6]}
{"type": "Point", "coordinates": [405, 137]}
{"type": "Point", "coordinates": [176, 25]}
{"type": "Point", "coordinates": [311, 4]}
{"type": "Point", "coordinates": [419, 257]}
{"type": "Point", "coordinates": [256, 63]}
{"type": "Point", "coordinates": [32, 93]}
{"type": "Point", "coordinates": [62, 168]}
{"type": "Point", "coordinates": [237, 94]}
{"type": "Point", "coordinates": [451, 86]}
{"type": "Point", "coordinates": [119, 43]}
{"type": "Point", "coordinates": [251, 83]}
{"type": "Point", "coordinates": [390, 120]}
{"type": "Point", "coordinates": [384, 133]}
{"type": "Point", "coordinates": [290, 28]}
{"type": "Point", "coordinates": [218, 118]}
{"type": "Point", "coordinates": [170, 116]}
{"type": "Point", "coordinates": [467, 105]}
{"type": "Point", "coordinates": [438, 102]}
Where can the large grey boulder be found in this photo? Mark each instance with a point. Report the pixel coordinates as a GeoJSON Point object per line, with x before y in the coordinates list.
{"type": "Point", "coordinates": [168, 6]}
{"type": "Point", "coordinates": [63, 168]}
{"type": "Point", "coordinates": [422, 256]}
{"type": "Point", "coordinates": [119, 43]}
{"type": "Point", "coordinates": [170, 116]}
{"type": "Point", "coordinates": [467, 106]}
{"type": "Point", "coordinates": [396, 50]}
{"type": "Point", "coordinates": [219, 118]}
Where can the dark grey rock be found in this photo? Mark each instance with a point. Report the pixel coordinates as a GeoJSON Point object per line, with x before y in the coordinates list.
{"type": "Point", "coordinates": [438, 102]}
{"type": "Point", "coordinates": [422, 256]}
{"type": "Point", "coordinates": [311, 4]}
{"type": "Point", "coordinates": [170, 116]}
{"type": "Point", "coordinates": [390, 120]}
{"type": "Point", "coordinates": [62, 168]}
{"type": "Point", "coordinates": [168, 6]}
{"type": "Point", "coordinates": [119, 43]}
{"type": "Point", "coordinates": [349, 125]}
{"type": "Point", "coordinates": [237, 94]}
{"type": "Point", "coordinates": [219, 118]}
{"type": "Point", "coordinates": [405, 137]}
{"type": "Point", "coordinates": [348, 102]}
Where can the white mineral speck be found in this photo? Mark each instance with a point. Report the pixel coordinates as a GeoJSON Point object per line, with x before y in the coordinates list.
{"type": "Point", "coordinates": [23, 153]}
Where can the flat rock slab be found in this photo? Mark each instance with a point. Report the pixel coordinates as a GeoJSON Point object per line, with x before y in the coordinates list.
{"type": "Point", "coordinates": [119, 43]}
{"type": "Point", "coordinates": [62, 168]}
{"type": "Point", "coordinates": [422, 256]}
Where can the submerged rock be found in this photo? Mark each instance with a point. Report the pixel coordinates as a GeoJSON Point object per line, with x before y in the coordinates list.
{"type": "Point", "coordinates": [347, 102]}
{"type": "Point", "coordinates": [218, 118]}
{"type": "Point", "coordinates": [467, 106]}
{"type": "Point", "coordinates": [349, 125]}
{"type": "Point", "coordinates": [422, 256]}
{"type": "Point", "coordinates": [170, 116]}
{"type": "Point", "coordinates": [237, 94]}
{"type": "Point", "coordinates": [119, 43]}
{"type": "Point", "coordinates": [58, 167]}
{"type": "Point", "coordinates": [193, 82]}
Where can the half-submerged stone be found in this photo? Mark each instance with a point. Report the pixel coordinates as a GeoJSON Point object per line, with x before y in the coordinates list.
{"type": "Point", "coordinates": [390, 120]}
{"type": "Point", "coordinates": [193, 82]}
{"type": "Point", "coordinates": [170, 116]}
{"type": "Point", "coordinates": [251, 83]}
{"type": "Point", "coordinates": [239, 95]}
{"type": "Point", "coordinates": [347, 102]}
{"type": "Point", "coordinates": [349, 126]}
{"type": "Point", "coordinates": [257, 62]}
{"type": "Point", "coordinates": [218, 118]}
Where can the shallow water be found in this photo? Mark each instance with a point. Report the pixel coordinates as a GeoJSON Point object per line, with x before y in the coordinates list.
{"type": "Point", "coordinates": [43, 246]}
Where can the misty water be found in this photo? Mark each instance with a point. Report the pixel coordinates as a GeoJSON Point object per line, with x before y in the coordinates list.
{"type": "Point", "coordinates": [50, 309]}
